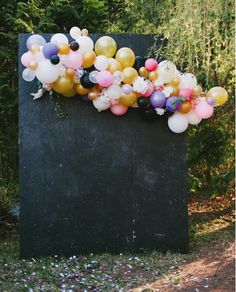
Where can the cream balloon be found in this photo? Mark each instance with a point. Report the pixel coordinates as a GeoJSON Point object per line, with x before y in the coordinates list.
{"type": "Point", "coordinates": [59, 38]}
{"type": "Point", "coordinates": [85, 44]}
{"type": "Point", "coordinates": [178, 123]}
{"type": "Point", "coordinates": [193, 118]}
{"type": "Point", "coordinates": [75, 32]}
{"type": "Point", "coordinates": [101, 103]}
{"type": "Point", "coordinates": [46, 72]}
{"type": "Point", "coordinates": [188, 80]}
{"type": "Point", "coordinates": [166, 71]}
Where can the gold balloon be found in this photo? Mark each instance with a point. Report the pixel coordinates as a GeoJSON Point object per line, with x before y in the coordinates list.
{"type": "Point", "coordinates": [64, 49]}
{"type": "Point", "coordinates": [33, 65]}
{"type": "Point", "coordinates": [218, 94]}
{"type": "Point", "coordinates": [143, 72]}
{"type": "Point", "coordinates": [63, 84]}
{"type": "Point", "coordinates": [70, 93]}
{"type": "Point", "coordinates": [93, 93]}
{"type": "Point", "coordinates": [70, 72]}
{"type": "Point", "coordinates": [105, 46]}
{"type": "Point", "coordinates": [114, 65]}
{"type": "Point", "coordinates": [128, 99]}
{"type": "Point", "coordinates": [197, 91]}
{"type": "Point", "coordinates": [88, 59]}
{"type": "Point", "coordinates": [129, 74]}
{"type": "Point", "coordinates": [185, 107]}
{"type": "Point", "coordinates": [152, 75]}
{"type": "Point", "coordinates": [175, 90]}
{"type": "Point", "coordinates": [175, 81]}
{"type": "Point", "coordinates": [126, 57]}
{"type": "Point", "coordinates": [81, 90]}
{"type": "Point", "coordinates": [35, 49]}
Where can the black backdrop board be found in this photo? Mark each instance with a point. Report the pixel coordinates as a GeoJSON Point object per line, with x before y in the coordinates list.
{"type": "Point", "coordinates": [96, 182]}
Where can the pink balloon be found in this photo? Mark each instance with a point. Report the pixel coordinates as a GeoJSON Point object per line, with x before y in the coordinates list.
{"type": "Point", "coordinates": [186, 92]}
{"type": "Point", "coordinates": [203, 109]}
{"type": "Point", "coordinates": [73, 60]}
{"type": "Point", "coordinates": [104, 78]}
{"type": "Point", "coordinates": [118, 109]}
{"type": "Point", "coordinates": [151, 64]}
{"type": "Point", "coordinates": [26, 58]}
{"type": "Point", "coordinates": [149, 90]}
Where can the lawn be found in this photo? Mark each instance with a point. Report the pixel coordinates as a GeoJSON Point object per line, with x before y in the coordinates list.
{"type": "Point", "coordinates": [208, 267]}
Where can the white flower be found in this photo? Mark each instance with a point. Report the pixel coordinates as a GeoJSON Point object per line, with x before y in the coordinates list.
{"type": "Point", "coordinates": [140, 85]}
{"type": "Point", "coordinates": [160, 111]}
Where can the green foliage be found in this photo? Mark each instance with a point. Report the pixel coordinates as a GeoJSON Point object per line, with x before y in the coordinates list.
{"type": "Point", "coordinates": [200, 40]}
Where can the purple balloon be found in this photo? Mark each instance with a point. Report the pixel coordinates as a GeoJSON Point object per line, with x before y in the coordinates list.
{"type": "Point", "coordinates": [158, 99]}
{"type": "Point", "coordinates": [35, 39]}
{"type": "Point", "coordinates": [50, 49]}
{"type": "Point", "coordinates": [127, 89]}
{"type": "Point", "coordinates": [173, 104]}
{"type": "Point", "coordinates": [211, 101]}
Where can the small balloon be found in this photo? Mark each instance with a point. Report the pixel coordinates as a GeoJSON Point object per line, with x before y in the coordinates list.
{"type": "Point", "coordinates": [84, 31]}
{"type": "Point", "coordinates": [152, 75]}
{"type": "Point", "coordinates": [93, 94]}
{"type": "Point", "coordinates": [101, 104]}
{"type": "Point", "coordinates": [151, 64]}
{"type": "Point", "coordinates": [143, 72]}
{"type": "Point", "coordinates": [130, 74]}
{"type": "Point", "coordinates": [114, 65]}
{"type": "Point", "coordinates": [158, 99]}
{"type": "Point", "coordinates": [126, 89]}
{"type": "Point", "coordinates": [197, 91]}
{"type": "Point", "coordinates": [128, 99]}
{"type": "Point", "coordinates": [28, 74]}
{"type": "Point", "coordinates": [173, 104]}
{"type": "Point", "coordinates": [81, 90]}
{"type": "Point", "coordinates": [104, 78]}
{"type": "Point", "coordinates": [178, 123]}
{"type": "Point", "coordinates": [35, 39]}
{"type": "Point", "coordinates": [101, 63]}
{"type": "Point", "coordinates": [33, 65]}
{"type": "Point", "coordinates": [50, 49]}
{"type": "Point", "coordinates": [218, 94]}
{"type": "Point", "coordinates": [118, 109]}
{"type": "Point", "coordinates": [143, 102]}
{"type": "Point", "coordinates": [73, 60]}
{"type": "Point", "coordinates": [114, 91]}
{"type": "Point", "coordinates": [26, 58]}
{"type": "Point", "coordinates": [75, 32]}
{"type": "Point", "coordinates": [118, 77]}
{"type": "Point", "coordinates": [93, 76]}
{"type": "Point", "coordinates": [63, 49]}
{"type": "Point", "coordinates": [88, 59]}
{"type": "Point", "coordinates": [166, 71]}
{"type": "Point", "coordinates": [186, 92]}
{"type": "Point", "coordinates": [59, 38]}
{"type": "Point", "coordinates": [126, 57]}
{"type": "Point", "coordinates": [185, 107]}
{"type": "Point", "coordinates": [35, 49]}
{"type": "Point", "coordinates": [193, 118]}
{"type": "Point", "coordinates": [86, 82]}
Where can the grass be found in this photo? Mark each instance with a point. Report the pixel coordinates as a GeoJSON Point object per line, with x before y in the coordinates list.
{"type": "Point", "coordinates": [106, 272]}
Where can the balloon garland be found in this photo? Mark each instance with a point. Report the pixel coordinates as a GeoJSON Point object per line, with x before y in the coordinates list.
{"type": "Point", "coordinates": [117, 79]}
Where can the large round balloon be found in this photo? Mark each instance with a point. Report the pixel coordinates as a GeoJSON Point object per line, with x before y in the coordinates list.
{"type": "Point", "coordinates": [73, 60]}
{"type": "Point", "coordinates": [63, 85]}
{"type": "Point", "coordinates": [166, 71]}
{"type": "Point", "coordinates": [218, 94]}
{"type": "Point", "coordinates": [59, 38]}
{"type": "Point", "coordinates": [105, 46]}
{"type": "Point", "coordinates": [47, 72]}
{"type": "Point", "coordinates": [85, 44]}
{"type": "Point", "coordinates": [203, 109]}
{"type": "Point", "coordinates": [88, 59]}
{"type": "Point", "coordinates": [126, 57]}
{"type": "Point", "coordinates": [128, 99]}
{"type": "Point", "coordinates": [129, 75]}
{"type": "Point", "coordinates": [193, 118]}
{"type": "Point", "coordinates": [178, 123]}
{"type": "Point", "coordinates": [35, 39]}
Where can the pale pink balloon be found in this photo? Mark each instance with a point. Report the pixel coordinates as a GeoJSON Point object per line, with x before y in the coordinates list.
{"type": "Point", "coordinates": [203, 109]}
{"type": "Point", "coordinates": [104, 78]}
{"type": "Point", "coordinates": [186, 92]}
{"type": "Point", "coordinates": [73, 60]}
{"type": "Point", "coordinates": [149, 90]}
{"type": "Point", "coordinates": [119, 109]}
{"type": "Point", "coordinates": [26, 58]}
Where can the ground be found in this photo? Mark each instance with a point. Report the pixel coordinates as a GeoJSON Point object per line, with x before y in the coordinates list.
{"type": "Point", "coordinates": [208, 267]}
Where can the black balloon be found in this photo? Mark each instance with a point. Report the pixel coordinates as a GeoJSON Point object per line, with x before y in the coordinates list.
{"type": "Point", "coordinates": [85, 81]}
{"type": "Point", "coordinates": [150, 114]}
{"type": "Point", "coordinates": [143, 103]}
{"type": "Point", "coordinates": [54, 59]}
{"type": "Point", "coordinates": [74, 46]}
{"type": "Point", "coordinates": [139, 62]}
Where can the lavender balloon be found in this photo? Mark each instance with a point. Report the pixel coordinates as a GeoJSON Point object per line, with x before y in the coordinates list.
{"type": "Point", "coordinates": [211, 101]}
{"type": "Point", "coordinates": [127, 89]}
{"type": "Point", "coordinates": [158, 99]}
{"type": "Point", "coordinates": [35, 39]}
{"type": "Point", "coordinates": [173, 104]}
{"type": "Point", "coordinates": [50, 49]}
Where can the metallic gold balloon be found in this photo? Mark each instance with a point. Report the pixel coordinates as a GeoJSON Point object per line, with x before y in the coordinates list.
{"type": "Point", "coordinates": [33, 65]}
{"type": "Point", "coordinates": [152, 75]}
{"type": "Point", "coordinates": [128, 99]}
{"type": "Point", "coordinates": [81, 90]}
{"type": "Point", "coordinates": [129, 74]}
{"type": "Point", "coordinates": [93, 93]}
{"type": "Point", "coordinates": [70, 93]}
{"type": "Point", "coordinates": [105, 46]}
{"type": "Point", "coordinates": [84, 32]}
{"type": "Point", "coordinates": [175, 81]}
{"type": "Point", "coordinates": [35, 49]}
{"type": "Point", "coordinates": [218, 94]}
{"type": "Point", "coordinates": [143, 72]}
{"type": "Point", "coordinates": [63, 84]}
{"type": "Point", "coordinates": [70, 72]}
{"type": "Point", "coordinates": [197, 91]}
{"type": "Point", "coordinates": [114, 65]}
{"type": "Point", "coordinates": [126, 57]}
{"type": "Point", "coordinates": [64, 49]}
{"type": "Point", "coordinates": [185, 107]}
{"type": "Point", "coordinates": [175, 91]}
{"type": "Point", "coordinates": [89, 59]}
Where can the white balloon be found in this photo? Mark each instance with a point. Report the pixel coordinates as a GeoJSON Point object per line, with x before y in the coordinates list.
{"type": "Point", "coordinates": [188, 80]}
{"type": "Point", "coordinates": [85, 44]}
{"type": "Point", "coordinates": [101, 103]}
{"type": "Point", "coordinates": [118, 77]}
{"type": "Point", "coordinates": [193, 118]}
{"type": "Point", "coordinates": [101, 63]}
{"type": "Point", "coordinates": [93, 76]}
{"type": "Point", "coordinates": [75, 32]}
{"type": "Point", "coordinates": [28, 74]}
{"type": "Point", "coordinates": [59, 38]}
{"type": "Point", "coordinates": [178, 123]}
{"type": "Point", "coordinates": [166, 71]}
{"type": "Point", "coordinates": [114, 91]}
{"type": "Point", "coordinates": [47, 72]}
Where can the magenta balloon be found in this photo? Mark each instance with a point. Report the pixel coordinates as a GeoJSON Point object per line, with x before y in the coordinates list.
{"type": "Point", "coordinates": [104, 78]}
{"type": "Point", "coordinates": [186, 92]}
{"type": "Point", "coordinates": [35, 39]}
{"type": "Point", "coordinates": [118, 109]}
{"type": "Point", "coordinates": [204, 110]}
{"type": "Point", "coordinates": [151, 64]}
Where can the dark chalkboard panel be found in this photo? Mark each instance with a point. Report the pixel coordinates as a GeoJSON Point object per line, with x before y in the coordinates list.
{"type": "Point", "coordinates": [95, 182]}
